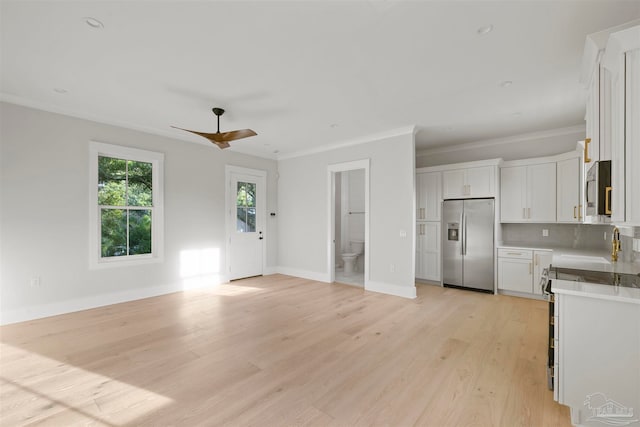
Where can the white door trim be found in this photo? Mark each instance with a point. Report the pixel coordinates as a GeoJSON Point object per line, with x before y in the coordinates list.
{"type": "Point", "coordinates": [229, 170]}
{"type": "Point", "coordinates": [331, 203]}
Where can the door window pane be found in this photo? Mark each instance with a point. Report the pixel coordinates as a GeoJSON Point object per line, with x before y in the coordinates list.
{"type": "Point", "coordinates": [113, 232]}
{"type": "Point", "coordinates": [139, 231]}
{"type": "Point", "coordinates": [245, 207]}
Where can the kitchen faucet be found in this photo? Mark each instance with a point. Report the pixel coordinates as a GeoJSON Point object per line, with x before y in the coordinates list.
{"type": "Point", "coordinates": [615, 244]}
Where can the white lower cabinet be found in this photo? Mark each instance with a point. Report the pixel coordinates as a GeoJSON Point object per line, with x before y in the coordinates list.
{"type": "Point", "coordinates": [428, 251]}
{"type": "Point", "coordinates": [598, 349]}
{"type": "Point", "coordinates": [520, 270]}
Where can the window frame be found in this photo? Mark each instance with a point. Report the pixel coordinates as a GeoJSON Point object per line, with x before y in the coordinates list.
{"type": "Point", "coordinates": [98, 149]}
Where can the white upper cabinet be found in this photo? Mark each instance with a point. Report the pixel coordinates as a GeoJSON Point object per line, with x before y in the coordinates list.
{"type": "Point", "coordinates": [617, 59]}
{"type": "Point", "coordinates": [528, 193]}
{"type": "Point", "coordinates": [568, 205]}
{"type": "Point", "coordinates": [470, 182]}
{"type": "Point", "coordinates": [428, 196]}
{"type": "Point", "coordinates": [632, 136]}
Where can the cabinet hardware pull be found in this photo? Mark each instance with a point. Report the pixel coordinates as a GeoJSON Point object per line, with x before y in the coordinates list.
{"type": "Point", "coordinates": [574, 212]}
{"type": "Point", "coordinates": [524, 213]}
{"type": "Point", "coordinates": [587, 159]}
{"type": "Point", "coordinates": [537, 260]}
{"type": "Point", "coordinates": [530, 268]}
{"type": "Point", "coordinates": [551, 343]}
{"type": "Point", "coordinates": [607, 201]}
{"type": "Point", "coordinates": [529, 213]}
{"type": "Point", "coordinates": [514, 253]}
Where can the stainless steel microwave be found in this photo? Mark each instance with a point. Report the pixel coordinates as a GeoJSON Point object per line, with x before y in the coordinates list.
{"type": "Point", "coordinates": [598, 189]}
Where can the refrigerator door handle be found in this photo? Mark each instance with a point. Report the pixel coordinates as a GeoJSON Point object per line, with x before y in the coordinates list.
{"type": "Point", "coordinates": [461, 233]}
{"type": "Point", "coordinates": [464, 234]}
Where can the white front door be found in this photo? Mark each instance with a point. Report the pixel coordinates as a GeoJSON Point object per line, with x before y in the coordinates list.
{"type": "Point", "coordinates": [245, 221]}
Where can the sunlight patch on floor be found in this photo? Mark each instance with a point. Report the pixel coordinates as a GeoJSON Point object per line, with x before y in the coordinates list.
{"type": "Point", "coordinates": [56, 393]}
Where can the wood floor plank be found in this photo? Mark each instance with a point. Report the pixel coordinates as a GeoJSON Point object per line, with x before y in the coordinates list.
{"type": "Point", "coordinates": [280, 350]}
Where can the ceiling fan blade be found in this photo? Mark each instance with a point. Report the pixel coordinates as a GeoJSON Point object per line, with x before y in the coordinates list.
{"type": "Point", "coordinates": [234, 134]}
{"type": "Point", "coordinates": [213, 137]}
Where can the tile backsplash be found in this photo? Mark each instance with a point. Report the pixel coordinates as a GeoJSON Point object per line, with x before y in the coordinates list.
{"type": "Point", "coordinates": [579, 236]}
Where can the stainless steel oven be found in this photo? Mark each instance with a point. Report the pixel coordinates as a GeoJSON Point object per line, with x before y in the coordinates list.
{"type": "Point", "coordinates": [598, 189]}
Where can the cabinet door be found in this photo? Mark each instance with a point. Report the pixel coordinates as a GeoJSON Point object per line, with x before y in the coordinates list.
{"type": "Point", "coordinates": [541, 260]}
{"type": "Point", "coordinates": [433, 196]}
{"type": "Point", "coordinates": [515, 275]}
{"type": "Point", "coordinates": [541, 181]}
{"type": "Point", "coordinates": [512, 194]}
{"type": "Point", "coordinates": [421, 196]}
{"type": "Point", "coordinates": [568, 191]}
{"type": "Point", "coordinates": [618, 210]}
{"type": "Point", "coordinates": [592, 119]}
{"type": "Point", "coordinates": [428, 251]}
{"type": "Point", "coordinates": [453, 184]}
{"type": "Point", "coordinates": [632, 137]}
{"type": "Point", "coordinates": [481, 181]}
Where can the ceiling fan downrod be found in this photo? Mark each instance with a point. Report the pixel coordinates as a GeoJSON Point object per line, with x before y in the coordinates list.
{"type": "Point", "coordinates": [218, 112]}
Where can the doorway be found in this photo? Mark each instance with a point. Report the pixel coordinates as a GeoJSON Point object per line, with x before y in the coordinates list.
{"type": "Point", "coordinates": [245, 223]}
{"type": "Point", "coordinates": [348, 190]}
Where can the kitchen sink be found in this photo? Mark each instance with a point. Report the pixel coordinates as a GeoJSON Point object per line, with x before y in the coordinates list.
{"type": "Point", "coordinates": [585, 259]}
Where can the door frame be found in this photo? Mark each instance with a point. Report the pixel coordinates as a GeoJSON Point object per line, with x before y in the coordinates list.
{"type": "Point", "coordinates": [229, 170]}
{"type": "Point", "coordinates": [332, 169]}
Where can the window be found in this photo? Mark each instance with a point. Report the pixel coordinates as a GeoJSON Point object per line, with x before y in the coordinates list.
{"type": "Point", "coordinates": [246, 207]}
{"type": "Point", "coordinates": [126, 204]}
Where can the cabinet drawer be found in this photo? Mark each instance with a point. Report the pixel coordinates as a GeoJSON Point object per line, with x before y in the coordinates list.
{"type": "Point", "coordinates": [515, 253]}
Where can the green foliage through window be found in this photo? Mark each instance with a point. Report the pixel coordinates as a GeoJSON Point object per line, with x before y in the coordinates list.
{"type": "Point", "coordinates": [246, 207]}
{"type": "Point", "coordinates": [126, 202]}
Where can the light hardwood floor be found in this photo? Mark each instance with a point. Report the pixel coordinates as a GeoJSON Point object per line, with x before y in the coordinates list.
{"type": "Point", "coordinates": [279, 350]}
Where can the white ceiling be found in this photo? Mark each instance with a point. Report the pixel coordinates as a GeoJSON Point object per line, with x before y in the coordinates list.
{"type": "Point", "coordinates": [306, 74]}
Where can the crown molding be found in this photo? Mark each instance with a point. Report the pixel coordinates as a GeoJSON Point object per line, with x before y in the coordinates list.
{"type": "Point", "coordinates": [408, 130]}
{"type": "Point", "coordinates": [501, 141]}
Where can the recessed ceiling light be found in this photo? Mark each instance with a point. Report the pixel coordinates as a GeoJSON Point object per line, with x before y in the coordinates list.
{"type": "Point", "coordinates": [276, 151]}
{"type": "Point", "coordinates": [485, 30]}
{"type": "Point", "coordinates": [506, 83]}
{"type": "Point", "coordinates": [516, 114]}
{"type": "Point", "coordinates": [333, 125]}
{"type": "Point", "coordinates": [60, 90]}
{"type": "Point", "coordinates": [93, 23]}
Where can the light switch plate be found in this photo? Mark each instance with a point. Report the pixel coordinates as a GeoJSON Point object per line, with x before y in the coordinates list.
{"type": "Point", "coordinates": [545, 232]}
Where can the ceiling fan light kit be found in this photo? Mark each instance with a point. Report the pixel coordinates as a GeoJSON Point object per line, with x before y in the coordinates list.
{"type": "Point", "coordinates": [222, 139]}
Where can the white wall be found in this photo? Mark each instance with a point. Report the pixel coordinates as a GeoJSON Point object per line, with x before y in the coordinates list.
{"type": "Point", "coordinates": [44, 213]}
{"type": "Point", "coordinates": [302, 199]}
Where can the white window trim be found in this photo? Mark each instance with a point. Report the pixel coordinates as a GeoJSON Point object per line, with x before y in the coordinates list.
{"type": "Point", "coordinates": [156, 159]}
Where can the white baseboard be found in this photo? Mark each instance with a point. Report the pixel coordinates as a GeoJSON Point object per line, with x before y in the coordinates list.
{"type": "Point", "coordinates": [63, 307]}
{"type": "Point", "coordinates": [389, 289]}
{"type": "Point", "coordinates": [304, 274]}
{"type": "Point", "coordinates": [269, 271]}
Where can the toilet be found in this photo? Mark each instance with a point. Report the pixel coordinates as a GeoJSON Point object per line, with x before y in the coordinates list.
{"type": "Point", "coordinates": [349, 258]}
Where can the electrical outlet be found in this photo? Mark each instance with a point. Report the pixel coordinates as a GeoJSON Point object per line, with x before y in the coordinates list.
{"type": "Point", "coordinates": [392, 268]}
{"type": "Point", "coordinates": [605, 235]}
{"type": "Point", "coordinates": [35, 281]}
{"type": "Point", "coordinates": [403, 233]}
{"type": "Point", "coordinates": [545, 232]}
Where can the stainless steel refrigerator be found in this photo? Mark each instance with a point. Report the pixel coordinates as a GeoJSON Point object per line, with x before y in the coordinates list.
{"type": "Point", "coordinates": [468, 243]}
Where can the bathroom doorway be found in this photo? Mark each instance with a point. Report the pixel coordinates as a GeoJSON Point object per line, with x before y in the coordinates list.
{"type": "Point", "coordinates": [348, 234]}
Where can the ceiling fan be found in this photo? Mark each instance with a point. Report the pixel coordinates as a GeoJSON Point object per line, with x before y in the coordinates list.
{"type": "Point", "coordinates": [222, 139]}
